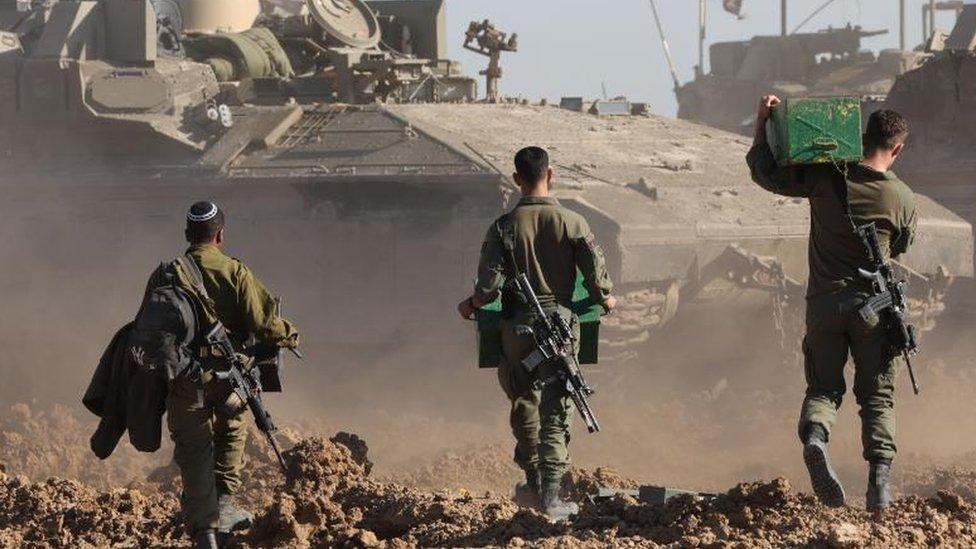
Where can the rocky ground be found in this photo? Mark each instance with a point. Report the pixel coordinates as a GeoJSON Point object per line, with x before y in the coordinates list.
{"type": "Point", "coordinates": [329, 499]}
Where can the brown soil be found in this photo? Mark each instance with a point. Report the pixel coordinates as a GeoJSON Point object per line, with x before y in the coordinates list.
{"type": "Point", "coordinates": [329, 500]}
{"type": "Point", "coordinates": [48, 441]}
{"type": "Point", "coordinates": [475, 470]}
{"type": "Point", "coordinates": [67, 513]}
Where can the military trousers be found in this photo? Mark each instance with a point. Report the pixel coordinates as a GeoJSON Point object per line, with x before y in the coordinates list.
{"type": "Point", "coordinates": [539, 416]}
{"type": "Point", "coordinates": [209, 450]}
{"type": "Point", "coordinates": [836, 331]}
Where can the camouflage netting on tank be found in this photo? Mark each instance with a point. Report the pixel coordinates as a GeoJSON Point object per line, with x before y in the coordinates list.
{"type": "Point", "coordinates": [328, 500]}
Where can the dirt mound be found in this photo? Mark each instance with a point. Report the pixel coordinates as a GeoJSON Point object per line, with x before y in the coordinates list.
{"type": "Point", "coordinates": [771, 515]}
{"type": "Point", "coordinates": [45, 441]}
{"type": "Point", "coordinates": [328, 500]}
{"type": "Point", "coordinates": [66, 513]}
{"type": "Point", "coordinates": [476, 470]}
{"type": "Point", "coordinates": [579, 484]}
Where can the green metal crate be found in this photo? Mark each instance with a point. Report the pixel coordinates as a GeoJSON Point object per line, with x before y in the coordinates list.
{"type": "Point", "coordinates": [816, 130]}
{"type": "Point", "coordinates": [490, 334]}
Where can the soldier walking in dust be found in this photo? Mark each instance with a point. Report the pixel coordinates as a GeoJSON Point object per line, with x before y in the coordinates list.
{"type": "Point", "coordinates": [208, 434]}
{"type": "Point", "coordinates": [870, 192]}
{"type": "Point", "coordinates": [548, 243]}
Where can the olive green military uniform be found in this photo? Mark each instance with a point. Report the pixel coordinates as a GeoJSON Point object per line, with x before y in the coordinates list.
{"type": "Point", "coordinates": [210, 440]}
{"type": "Point", "coordinates": [836, 291]}
{"type": "Point", "coordinates": [549, 243]}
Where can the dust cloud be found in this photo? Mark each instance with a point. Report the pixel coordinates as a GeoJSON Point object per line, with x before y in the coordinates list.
{"type": "Point", "coordinates": [706, 403]}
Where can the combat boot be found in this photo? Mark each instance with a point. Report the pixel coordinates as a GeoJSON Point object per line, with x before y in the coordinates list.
{"type": "Point", "coordinates": [554, 507]}
{"type": "Point", "coordinates": [879, 489]}
{"type": "Point", "coordinates": [826, 483]}
{"type": "Point", "coordinates": [206, 540]}
{"type": "Point", "coordinates": [527, 493]}
{"type": "Point", "coordinates": [232, 518]}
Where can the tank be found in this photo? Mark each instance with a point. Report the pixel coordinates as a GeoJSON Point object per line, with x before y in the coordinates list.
{"type": "Point", "coordinates": [366, 214]}
{"type": "Point", "coordinates": [829, 62]}
{"type": "Point", "coordinates": [939, 99]}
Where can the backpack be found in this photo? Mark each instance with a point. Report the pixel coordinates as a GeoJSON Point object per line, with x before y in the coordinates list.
{"type": "Point", "coordinates": [165, 330]}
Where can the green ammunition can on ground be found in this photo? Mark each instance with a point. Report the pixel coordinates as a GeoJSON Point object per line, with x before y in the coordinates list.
{"type": "Point", "coordinates": [816, 130]}
{"type": "Point", "coordinates": [490, 334]}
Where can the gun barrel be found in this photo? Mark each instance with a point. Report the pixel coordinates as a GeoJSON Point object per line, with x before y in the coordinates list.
{"type": "Point", "coordinates": [278, 453]}
{"type": "Point", "coordinates": [911, 371]}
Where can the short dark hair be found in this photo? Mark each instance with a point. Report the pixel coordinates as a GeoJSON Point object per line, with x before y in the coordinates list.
{"type": "Point", "coordinates": [531, 163]}
{"type": "Point", "coordinates": [886, 129]}
{"type": "Point", "coordinates": [203, 222]}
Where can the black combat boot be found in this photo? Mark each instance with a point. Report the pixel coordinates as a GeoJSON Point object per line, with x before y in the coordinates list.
{"type": "Point", "coordinates": [232, 518]}
{"type": "Point", "coordinates": [879, 490]}
{"type": "Point", "coordinates": [825, 482]}
{"type": "Point", "coordinates": [206, 540]}
{"type": "Point", "coordinates": [527, 493]}
{"type": "Point", "coordinates": [554, 507]}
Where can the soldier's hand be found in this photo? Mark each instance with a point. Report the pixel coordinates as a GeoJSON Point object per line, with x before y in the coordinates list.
{"type": "Point", "coordinates": [766, 104]}
{"type": "Point", "coordinates": [609, 304]}
{"type": "Point", "coordinates": [466, 309]}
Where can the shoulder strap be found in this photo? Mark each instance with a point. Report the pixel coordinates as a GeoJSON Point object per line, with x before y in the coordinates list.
{"type": "Point", "coordinates": [193, 271]}
{"type": "Point", "coordinates": [838, 180]}
{"type": "Point", "coordinates": [506, 231]}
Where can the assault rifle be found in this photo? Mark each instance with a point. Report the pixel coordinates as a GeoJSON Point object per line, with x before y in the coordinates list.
{"type": "Point", "coordinates": [888, 305]}
{"type": "Point", "coordinates": [246, 384]}
{"type": "Point", "coordinates": [554, 341]}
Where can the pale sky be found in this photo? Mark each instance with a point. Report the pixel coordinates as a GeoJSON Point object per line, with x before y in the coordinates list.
{"type": "Point", "coordinates": [571, 47]}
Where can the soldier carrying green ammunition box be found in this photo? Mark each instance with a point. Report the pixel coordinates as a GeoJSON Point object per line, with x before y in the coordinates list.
{"type": "Point", "coordinates": [842, 197]}
{"type": "Point", "coordinates": [548, 243]}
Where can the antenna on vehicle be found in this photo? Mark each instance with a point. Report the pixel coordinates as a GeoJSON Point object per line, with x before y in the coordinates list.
{"type": "Point", "coordinates": [901, 25]}
{"type": "Point", "coordinates": [702, 21]}
{"type": "Point", "coordinates": [782, 17]}
{"type": "Point", "coordinates": [667, 48]}
{"type": "Point", "coordinates": [815, 13]}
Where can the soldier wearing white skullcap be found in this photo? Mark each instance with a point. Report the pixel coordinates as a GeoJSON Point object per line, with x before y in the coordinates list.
{"type": "Point", "coordinates": [209, 441]}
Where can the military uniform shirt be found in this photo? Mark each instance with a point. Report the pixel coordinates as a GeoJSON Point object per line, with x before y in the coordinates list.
{"type": "Point", "coordinates": [239, 299]}
{"type": "Point", "coordinates": [836, 252]}
{"type": "Point", "coordinates": [551, 243]}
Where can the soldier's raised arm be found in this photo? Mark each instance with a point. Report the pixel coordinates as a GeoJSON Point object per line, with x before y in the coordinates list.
{"type": "Point", "coordinates": [261, 312]}
{"type": "Point", "coordinates": [765, 171]}
{"type": "Point", "coordinates": [591, 263]}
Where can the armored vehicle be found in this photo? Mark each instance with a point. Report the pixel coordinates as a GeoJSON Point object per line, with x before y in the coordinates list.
{"type": "Point", "coordinates": [939, 99]}
{"type": "Point", "coordinates": [829, 62]}
{"type": "Point", "coordinates": [360, 186]}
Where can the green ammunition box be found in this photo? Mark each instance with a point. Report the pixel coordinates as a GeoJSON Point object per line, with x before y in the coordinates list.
{"type": "Point", "coordinates": [490, 334]}
{"type": "Point", "coordinates": [816, 130]}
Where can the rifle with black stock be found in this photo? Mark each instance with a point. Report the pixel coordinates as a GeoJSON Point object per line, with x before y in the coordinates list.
{"type": "Point", "coordinates": [554, 341]}
{"type": "Point", "coordinates": [888, 304]}
{"type": "Point", "coordinates": [246, 384]}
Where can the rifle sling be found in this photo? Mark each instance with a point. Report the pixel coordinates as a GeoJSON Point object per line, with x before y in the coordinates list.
{"type": "Point", "coordinates": [506, 232]}
{"type": "Point", "coordinates": [192, 270]}
{"type": "Point", "coordinates": [838, 181]}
